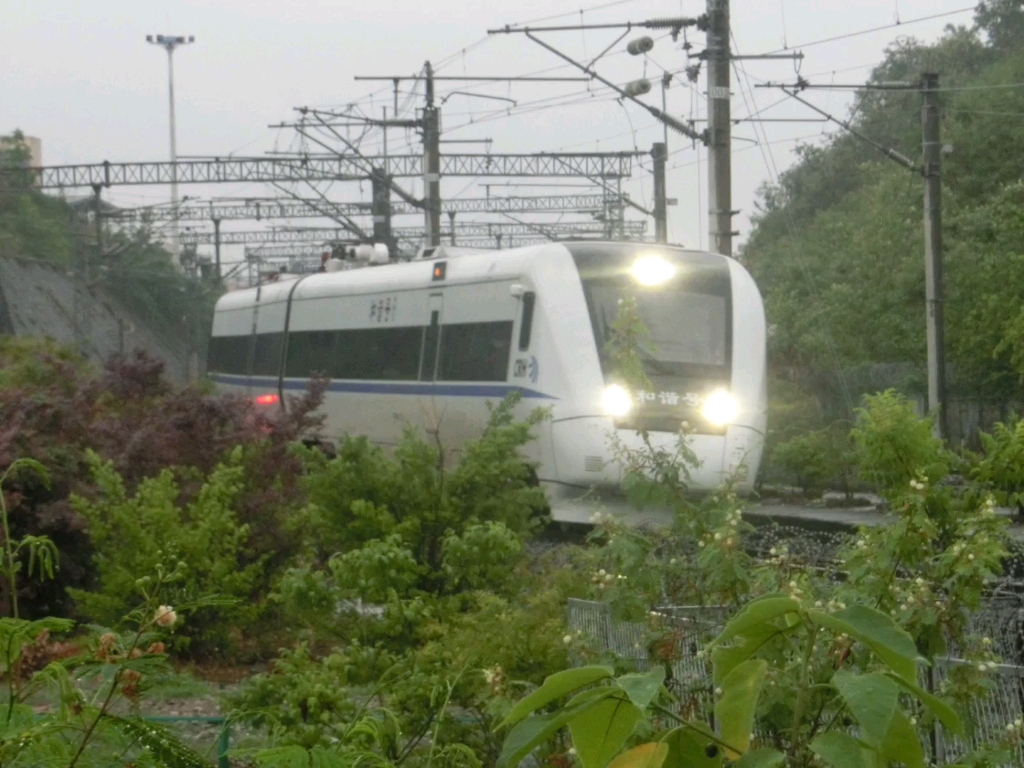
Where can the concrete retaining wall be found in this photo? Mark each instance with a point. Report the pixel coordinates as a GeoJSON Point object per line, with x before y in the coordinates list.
{"type": "Point", "coordinates": [38, 299]}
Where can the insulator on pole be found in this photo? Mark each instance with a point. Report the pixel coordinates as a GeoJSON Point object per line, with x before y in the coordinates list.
{"type": "Point", "coordinates": [637, 87]}
{"type": "Point", "coordinates": [640, 45]}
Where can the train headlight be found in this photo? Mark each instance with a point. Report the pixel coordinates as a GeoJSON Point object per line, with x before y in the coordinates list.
{"type": "Point", "coordinates": [616, 400]}
{"type": "Point", "coordinates": [652, 270]}
{"type": "Point", "coordinates": [720, 408]}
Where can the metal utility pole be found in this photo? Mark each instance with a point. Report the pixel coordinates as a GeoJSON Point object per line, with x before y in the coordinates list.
{"type": "Point", "coordinates": [432, 163]}
{"type": "Point", "coordinates": [719, 128]}
{"type": "Point", "coordinates": [659, 154]}
{"type": "Point", "coordinates": [169, 43]}
{"type": "Point", "coordinates": [932, 153]}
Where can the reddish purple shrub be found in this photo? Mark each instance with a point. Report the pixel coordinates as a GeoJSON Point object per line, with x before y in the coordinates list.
{"type": "Point", "coordinates": [54, 408]}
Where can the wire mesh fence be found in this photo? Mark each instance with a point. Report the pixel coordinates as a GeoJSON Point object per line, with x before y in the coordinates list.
{"type": "Point", "coordinates": [680, 632]}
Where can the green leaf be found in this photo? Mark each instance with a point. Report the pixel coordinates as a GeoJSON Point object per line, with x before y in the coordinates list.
{"type": "Point", "coordinates": [642, 687]}
{"type": "Point", "coordinates": [945, 713]}
{"type": "Point", "coordinates": [651, 755]}
{"type": "Point", "coordinates": [902, 744]}
{"type": "Point", "coordinates": [841, 750]}
{"type": "Point", "coordinates": [725, 658]}
{"type": "Point", "coordinates": [688, 748]}
{"type": "Point", "coordinates": [872, 700]}
{"type": "Point", "coordinates": [761, 758]}
{"type": "Point", "coordinates": [555, 687]}
{"type": "Point", "coordinates": [736, 706]}
{"type": "Point", "coordinates": [163, 745]}
{"type": "Point", "coordinates": [534, 731]}
{"type": "Point", "coordinates": [761, 611]}
{"type": "Point", "coordinates": [600, 730]}
{"type": "Point", "coordinates": [877, 631]}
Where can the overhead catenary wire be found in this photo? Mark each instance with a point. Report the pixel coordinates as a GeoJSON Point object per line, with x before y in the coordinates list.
{"type": "Point", "coordinates": [870, 30]}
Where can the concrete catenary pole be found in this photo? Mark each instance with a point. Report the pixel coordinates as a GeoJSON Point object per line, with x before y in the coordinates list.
{"type": "Point", "coordinates": [381, 208]}
{"type": "Point", "coordinates": [932, 151]}
{"type": "Point", "coordinates": [216, 248]}
{"type": "Point", "coordinates": [432, 163]}
{"type": "Point", "coordinates": [170, 43]}
{"type": "Point", "coordinates": [659, 154]}
{"type": "Point", "coordinates": [719, 128]}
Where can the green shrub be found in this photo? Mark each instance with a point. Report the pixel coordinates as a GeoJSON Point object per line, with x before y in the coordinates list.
{"type": "Point", "coordinates": [1000, 466]}
{"type": "Point", "coordinates": [895, 445]}
{"type": "Point", "coordinates": [482, 557]}
{"type": "Point", "coordinates": [409, 505]}
{"type": "Point", "coordinates": [819, 460]}
{"type": "Point", "coordinates": [133, 533]}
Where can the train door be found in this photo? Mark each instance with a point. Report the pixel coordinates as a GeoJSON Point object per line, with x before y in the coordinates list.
{"type": "Point", "coordinates": [431, 338]}
{"type": "Point", "coordinates": [431, 407]}
{"type": "Point", "coordinates": [251, 350]}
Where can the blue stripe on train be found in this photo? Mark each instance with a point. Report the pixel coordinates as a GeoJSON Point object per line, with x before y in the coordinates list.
{"type": "Point", "coordinates": [388, 388]}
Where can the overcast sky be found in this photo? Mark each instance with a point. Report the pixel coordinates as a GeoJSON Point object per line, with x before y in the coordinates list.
{"type": "Point", "coordinates": [81, 77]}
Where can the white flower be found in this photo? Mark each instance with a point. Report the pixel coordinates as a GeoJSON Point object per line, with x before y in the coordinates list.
{"type": "Point", "coordinates": [718, 537]}
{"type": "Point", "coordinates": [672, 561]}
{"type": "Point", "coordinates": [718, 691]}
{"type": "Point", "coordinates": [567, 639]}
{"type": "Point", "coordinates": [700, 544]}
{"type": "Point", "coordinates": [970, 557]}
{"type": "Point", "coordinates": [572, 751]}
{"type": "Point", "coordinates": [602, 572]}
{"type": "Point", "coordinates": [165, 616]}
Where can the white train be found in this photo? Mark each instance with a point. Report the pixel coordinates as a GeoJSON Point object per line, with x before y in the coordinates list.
{"type": "Point", "coordinates": [431, 341]}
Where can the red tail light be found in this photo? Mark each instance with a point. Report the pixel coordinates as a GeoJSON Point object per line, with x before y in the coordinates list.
{"type": "Point", "coordinates": [266, 399]}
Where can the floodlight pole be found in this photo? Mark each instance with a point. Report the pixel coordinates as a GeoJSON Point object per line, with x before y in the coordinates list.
{"type": "Point", "coordinates": [169, 43]}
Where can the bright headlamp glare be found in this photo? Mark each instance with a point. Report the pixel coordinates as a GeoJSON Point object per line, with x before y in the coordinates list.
{"type": "Point", "coordinates": [720, 408]}
{"type": "Point", "coordinates": [652, 270]}
{"type": "Point", "coordinates": [616, 400]}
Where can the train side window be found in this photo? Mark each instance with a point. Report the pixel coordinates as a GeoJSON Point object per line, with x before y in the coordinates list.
{"type": "Point", "coordinates": [267, 355]}
{"type": "Point", "coordinates": [526, 323]}
{"type": "Point", "coordinates": [228, 354]}
{"type": "Point", "coordinates": [386, 354]}
{"type": "Point", "coordinates": [431, 335]}
{"type": "Point", "coordinates": [475, 351]}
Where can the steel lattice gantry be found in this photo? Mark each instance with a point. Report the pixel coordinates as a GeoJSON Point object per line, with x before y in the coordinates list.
{"type": "Point", "coordinates": [630, 230]}
{"type": "Point", "coordinates": [287, 209]}
{"type": "Point", "coordinates": [609, 165]}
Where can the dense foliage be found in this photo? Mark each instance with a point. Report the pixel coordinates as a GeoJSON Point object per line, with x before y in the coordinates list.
{"type": "Point", "coordinates": [813, 667]}
{"type": "Point", "coordinates": [837, 243]}
{"type": "Point", "coordinates": [124, 425]}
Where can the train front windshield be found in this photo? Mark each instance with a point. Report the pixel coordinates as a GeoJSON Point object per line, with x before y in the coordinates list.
{"type": "Point", "coordinates": [683, 300]}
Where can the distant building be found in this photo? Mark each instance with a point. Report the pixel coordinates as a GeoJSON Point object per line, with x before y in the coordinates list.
{"type": "Point", "coordinates": [35, 148]}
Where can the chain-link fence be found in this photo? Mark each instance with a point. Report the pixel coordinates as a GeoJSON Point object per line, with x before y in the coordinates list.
{"type": "Point", "coordinates": [682, 631]}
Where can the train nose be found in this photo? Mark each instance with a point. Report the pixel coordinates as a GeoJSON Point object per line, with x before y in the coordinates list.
{"type": "Point", "coordinates": [586, 452]}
